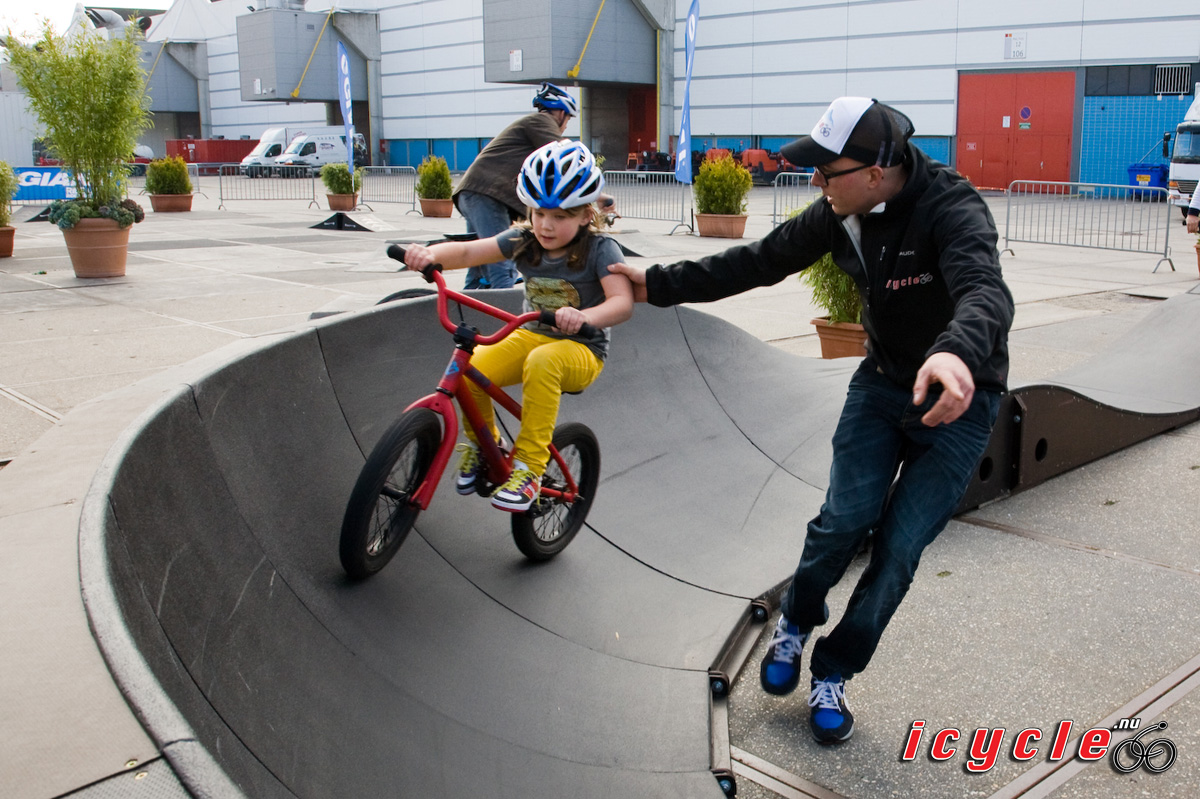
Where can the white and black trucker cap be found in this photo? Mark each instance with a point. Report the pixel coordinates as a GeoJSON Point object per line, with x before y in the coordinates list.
{"type": "Point", "coordinates": [856, 127]}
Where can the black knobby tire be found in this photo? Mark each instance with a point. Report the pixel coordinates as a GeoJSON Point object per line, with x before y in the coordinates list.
{"type": "Point", "coordinates": [545, 529]}
{"type": "Point", "coordinates": [379, 514]}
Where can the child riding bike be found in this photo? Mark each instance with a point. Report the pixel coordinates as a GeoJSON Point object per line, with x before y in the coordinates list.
{"type": "Point", "coordinates": [564, 261]}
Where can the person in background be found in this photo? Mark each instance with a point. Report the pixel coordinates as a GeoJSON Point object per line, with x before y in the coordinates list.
{"type": "Point", "coordinates": [487, 194]}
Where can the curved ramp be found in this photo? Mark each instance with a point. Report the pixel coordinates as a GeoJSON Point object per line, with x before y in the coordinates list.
{"type": "Point", "coordinates": [1145, 384]}
{"type": "Point", "coordinates": [463, 670]}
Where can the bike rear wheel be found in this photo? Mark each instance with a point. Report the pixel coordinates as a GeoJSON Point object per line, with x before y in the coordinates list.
{"type": "Point", "coordinates": [546, 528]}
{"type": "Point", "coordinates": [380, 511]}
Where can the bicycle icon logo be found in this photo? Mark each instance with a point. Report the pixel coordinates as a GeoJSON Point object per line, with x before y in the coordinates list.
{"type": "Point", "coordinates": [1156, 756]}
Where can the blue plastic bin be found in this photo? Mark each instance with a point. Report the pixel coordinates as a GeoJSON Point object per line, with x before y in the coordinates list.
{"type": "Point", "coordinates": [1148, 175]}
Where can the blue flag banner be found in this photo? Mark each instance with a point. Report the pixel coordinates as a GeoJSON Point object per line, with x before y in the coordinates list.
{"type": "Point", "coordinates": [683, 150]}
{"type": "Point", "coordinates": [347, 107]}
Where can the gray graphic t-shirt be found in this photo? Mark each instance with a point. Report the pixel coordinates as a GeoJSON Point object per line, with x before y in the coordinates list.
{"type": "Point", "coordinates": [551, 285]}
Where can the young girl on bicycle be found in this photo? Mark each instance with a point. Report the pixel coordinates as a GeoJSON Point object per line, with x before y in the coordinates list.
{"type": "Point", "coordinates": [564, 261]}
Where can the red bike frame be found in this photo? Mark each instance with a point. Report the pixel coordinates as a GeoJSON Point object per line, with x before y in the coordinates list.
{"type": "Point", "coordinates": [451, 387]}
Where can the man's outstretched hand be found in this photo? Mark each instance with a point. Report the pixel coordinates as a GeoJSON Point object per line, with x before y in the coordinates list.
{"type": "Point", "coordinates": [958, 387]}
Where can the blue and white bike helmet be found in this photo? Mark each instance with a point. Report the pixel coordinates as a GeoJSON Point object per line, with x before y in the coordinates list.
{"type": "Point", "coordinates": [551, 97]}
{"type": "Point", "coordinates": [562, 174]}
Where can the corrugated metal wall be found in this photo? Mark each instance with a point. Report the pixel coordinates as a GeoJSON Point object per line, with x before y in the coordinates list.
{"type": "Point", "coordinates": [18, 128]}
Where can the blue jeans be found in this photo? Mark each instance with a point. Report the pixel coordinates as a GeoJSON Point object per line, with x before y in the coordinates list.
{"type": "Point", "coordinates": [486, 218]}
{"type": "Point", "coordinates": [880, 432]}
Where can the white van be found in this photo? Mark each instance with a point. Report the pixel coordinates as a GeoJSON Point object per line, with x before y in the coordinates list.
{"type": "Point", "coordinates": [314, 150]}
{"type": "Point", "coordinates": [272, 143]}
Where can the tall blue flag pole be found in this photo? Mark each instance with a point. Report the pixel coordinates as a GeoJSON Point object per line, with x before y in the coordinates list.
{"type": "Point", "coordinates": [683, 150]}
{"type": "Point", "coordinates": [343, 62]}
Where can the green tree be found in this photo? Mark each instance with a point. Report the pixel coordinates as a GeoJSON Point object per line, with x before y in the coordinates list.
{"type": "Point", "coordinates": [89, 93]}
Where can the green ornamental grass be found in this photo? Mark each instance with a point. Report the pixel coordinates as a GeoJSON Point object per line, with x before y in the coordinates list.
{"type": "Point", "coordinates": [833, 291]}
{"type": "Point", "coordinates": [89, 94]}
{"type": "Point", "coordinates": [8, 187]}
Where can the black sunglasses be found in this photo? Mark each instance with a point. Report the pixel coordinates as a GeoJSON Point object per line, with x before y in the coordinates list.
{"type": "Point", "coordinates": [828, 176]}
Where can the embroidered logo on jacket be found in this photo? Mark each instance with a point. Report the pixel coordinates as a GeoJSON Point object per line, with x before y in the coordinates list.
{"type": "Point", "coordinates": [909, 281]}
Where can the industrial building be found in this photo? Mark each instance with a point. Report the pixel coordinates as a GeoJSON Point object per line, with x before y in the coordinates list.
{"type": "Point", "coordinates": [1070, 90]}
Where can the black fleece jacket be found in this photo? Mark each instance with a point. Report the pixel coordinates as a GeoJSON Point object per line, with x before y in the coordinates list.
{"type": "Point", "coordinates": [929, 274]}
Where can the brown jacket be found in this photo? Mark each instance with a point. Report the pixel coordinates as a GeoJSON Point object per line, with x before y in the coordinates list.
{"type": "Point", "coordinates": [494, 171]}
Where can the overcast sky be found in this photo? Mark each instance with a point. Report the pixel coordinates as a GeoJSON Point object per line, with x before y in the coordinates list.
{"type": "Point", "coordinates": [24, 16]}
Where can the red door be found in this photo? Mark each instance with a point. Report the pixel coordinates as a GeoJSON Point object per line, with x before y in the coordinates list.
{"type": "Point", "coordinates": [643, 119]}
{"type": "Point", "coordinates": [1015, 126]}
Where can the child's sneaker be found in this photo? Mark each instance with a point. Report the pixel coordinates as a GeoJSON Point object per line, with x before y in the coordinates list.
{"type": "Point", "coordinates": [780, 670]}
{"type": "Point", "coordinates": [831, 721]}
{"type": "Point", "coordinates": [520, 491]}
{"type": "Point", "coordinates": [468, 469]}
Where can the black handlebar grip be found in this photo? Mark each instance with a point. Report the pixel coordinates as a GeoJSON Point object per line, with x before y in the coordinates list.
{"type": "Point", "coordinates": [586, 331]}
{"type": "Point", "coordinates": [397, 253]}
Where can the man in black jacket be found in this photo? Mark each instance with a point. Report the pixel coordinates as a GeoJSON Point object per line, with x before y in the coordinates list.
{"type": "Point", "coordinates": [920, 244]}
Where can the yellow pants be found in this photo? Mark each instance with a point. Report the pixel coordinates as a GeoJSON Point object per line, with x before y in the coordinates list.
{"type": "Point", "coordinates": [546, 367]}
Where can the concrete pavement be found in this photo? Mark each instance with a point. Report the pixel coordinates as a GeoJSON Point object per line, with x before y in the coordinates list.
{"type": "Point", "coordinates": [200, 281]}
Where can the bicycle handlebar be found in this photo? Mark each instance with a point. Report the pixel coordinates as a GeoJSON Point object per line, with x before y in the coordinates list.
{"type": "Point", "coordinates": [433, 274]}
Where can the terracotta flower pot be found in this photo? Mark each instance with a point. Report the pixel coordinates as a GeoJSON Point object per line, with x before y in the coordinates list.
{"type": "Point", "coordinates": [7, 233]}
{"type": "Point", "coordinates": [722, 226]}
{"type": "Point", "coordinates": [342, 202]}
{"type": "Point", "coordinates": [840, 339]}
{"type": "Point", "coordinates": [169, 203]}
{"type": "Point", "coordinates": [437, 208]}
{"type": "Point", "coordinates": [98, 247]}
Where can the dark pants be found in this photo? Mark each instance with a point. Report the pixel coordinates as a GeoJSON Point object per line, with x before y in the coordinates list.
{"type": "Point", "coordinates": [880, 431]}
{"type": "Point", "coordinates": [486, 218]}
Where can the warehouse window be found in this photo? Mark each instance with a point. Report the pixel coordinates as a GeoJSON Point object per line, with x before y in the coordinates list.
{"type": "Point", "coordinates": [1173, 79]}
{"type": "Point", "coordinates": [1138, 80]}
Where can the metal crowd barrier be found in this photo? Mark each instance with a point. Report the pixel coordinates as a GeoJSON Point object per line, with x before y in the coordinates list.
{"type": "Point", "coordinates": [389, 184]}
{"type": "Point", "coordinates": [1093, 215]}
{"type": "Point", "coordinates": [792, 191]}
{"type": "Point", "coordinates": [283, 183]}
{"type": "Point", "coordinates": [650, 195]}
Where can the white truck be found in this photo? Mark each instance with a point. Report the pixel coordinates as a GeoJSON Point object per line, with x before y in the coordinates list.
{"type": "Point", "coordinates": [315, 149]}
{"type": "Point", "coordinates": [274, 141]}
{"type": "Point", "coordinates": [1185, 157]}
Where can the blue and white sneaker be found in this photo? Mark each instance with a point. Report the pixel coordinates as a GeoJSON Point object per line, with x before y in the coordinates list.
{"type": "Point", "coordinates": [831, 721]}
{"type": "Point", "coordinates": [780, 670]}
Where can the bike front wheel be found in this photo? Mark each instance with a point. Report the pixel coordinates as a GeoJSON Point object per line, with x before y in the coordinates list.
{"type": "Point", "coordinates": [380, 511]}
{"type": "Point", "coordinates": [549, 525]}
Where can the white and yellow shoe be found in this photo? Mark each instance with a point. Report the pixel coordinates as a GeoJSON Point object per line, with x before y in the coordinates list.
{"type": "Point", "coordinates": [520, 491]}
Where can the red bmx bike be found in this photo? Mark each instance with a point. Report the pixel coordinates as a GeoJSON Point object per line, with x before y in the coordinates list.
{"type": "Point", "coordinates": [402, 472]}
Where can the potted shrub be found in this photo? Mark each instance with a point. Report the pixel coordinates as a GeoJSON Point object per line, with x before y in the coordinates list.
{"type": "Point", "coordinates": [89, 94]}
{"type": "Point", "coordinates": [168, 185]}
{"type": "Point", "coordinates": [433, 187]}
{"type": "Point", "coordinates": [840, 330]}
{"type": "Point", "coordinates": [8, 187]}
{"type": "Point", "coordinates": [720, 188]}
{"type": "Point", "coordinates": [341, 186]}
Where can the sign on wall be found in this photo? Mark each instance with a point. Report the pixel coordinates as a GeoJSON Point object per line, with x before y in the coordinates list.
{"type": "Point", "coordinates": [46, 183]}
